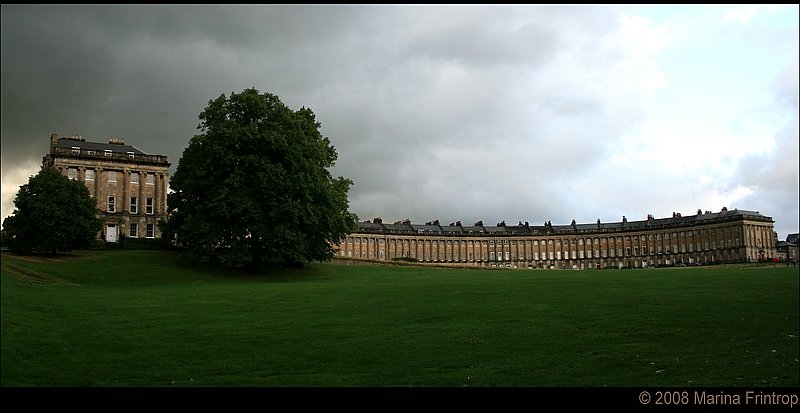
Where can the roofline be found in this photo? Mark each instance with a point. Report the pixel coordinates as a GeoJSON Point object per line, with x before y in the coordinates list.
{"type": "Point", "coordinates": [502, 229]}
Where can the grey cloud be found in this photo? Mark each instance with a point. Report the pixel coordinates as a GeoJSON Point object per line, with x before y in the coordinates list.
{"type": "Point", "coordinates": [449, 112]}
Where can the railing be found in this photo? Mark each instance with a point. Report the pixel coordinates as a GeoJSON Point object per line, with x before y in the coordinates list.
{"type": "Point", "coordinates": [113, 156]}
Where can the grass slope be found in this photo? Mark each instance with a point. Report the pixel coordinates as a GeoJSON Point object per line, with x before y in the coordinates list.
{"type": "Point", "coordinates": [146, 318]}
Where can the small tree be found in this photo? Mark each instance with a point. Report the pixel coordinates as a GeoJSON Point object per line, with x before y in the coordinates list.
{"type": "Point", "coordinates": [254, 186]}
{"type": "Point", "coordinates": [52, 213]}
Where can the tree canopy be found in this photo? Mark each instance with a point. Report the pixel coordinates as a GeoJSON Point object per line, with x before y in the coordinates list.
{"type": "Point", "coordinates": [254, 186]}
{"type": "Point", "coordinates": [52, 213]}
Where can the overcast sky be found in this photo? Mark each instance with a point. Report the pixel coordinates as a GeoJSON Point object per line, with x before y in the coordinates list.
{"type": "Point", "coordinates": [515, 113]}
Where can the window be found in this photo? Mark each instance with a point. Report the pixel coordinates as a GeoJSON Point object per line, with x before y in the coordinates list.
{"type": "Point", "coordinates": [72, 173]}
{"type": "Point", "coordinates": [134, 232]}
{"type": "Point", "coordinates": [130, 155]}
{"type": "Point", "coordinates": [149, 206]}
{"type": "Point", "coordinates": [76, 150]}
{"type": "Point", "coordinates": [150, 229]}
{"type": "Point", "coordinates": [112, 176]}
{"type": "Point", "coordinates": [111, 204]}
{"type": "Point", "coordinates": [134, 207]}
{"type": "Point", "coordinates": [107, 152]}
{"type": "Point", "coordinates": [90, 174]}
{"type": "Point", "coordinates": [135, 178]}
{"type": "Point", "coordinates": [151, 179]}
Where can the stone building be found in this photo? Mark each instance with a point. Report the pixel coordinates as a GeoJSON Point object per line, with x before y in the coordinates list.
{"type": "Point", "coordinates": [789, 250]}
{"type": "Point", "coordinates": [130, 186]}
{"type": "Point", "coordinates": [706, 238]}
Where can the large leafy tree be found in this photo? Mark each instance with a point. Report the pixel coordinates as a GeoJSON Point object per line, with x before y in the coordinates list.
{"type": "Point", "coordinates": [52, 214]}
{"type": "Point", "coordinates": [254, 186]}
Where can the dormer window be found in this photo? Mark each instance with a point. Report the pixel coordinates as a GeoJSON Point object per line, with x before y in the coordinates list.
{"type": "Point", "coordinates": [76, 150]}
{"type": "Point", "coordinates": [107, 152]}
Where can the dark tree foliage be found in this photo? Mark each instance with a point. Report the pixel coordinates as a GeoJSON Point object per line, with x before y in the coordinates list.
{"type": "Point", "coordinates": [255, 188]}
{"type": "Point", "coordinates": [52, 214]}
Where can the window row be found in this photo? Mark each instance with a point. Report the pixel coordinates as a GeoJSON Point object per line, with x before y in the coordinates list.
{"type": "Point", "coordinates": [111, 205]}
{"type": "Point", "coordinates": [149, 231]}
{"type": "Point", "coordinates": [72, 173]}
{"type": "Point", "coordinates": [550, 245]}
{"type": "Point", "coordinates": [106, 152]}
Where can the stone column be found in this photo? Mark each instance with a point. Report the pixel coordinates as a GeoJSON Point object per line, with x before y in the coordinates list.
{"type": "Point", "coordinates": [156, 195]}
{"type": "Point", "coordinates": [97, 173]}
{"type": "Point", "coordinates": [126, 201]}
{"type": "Point", "coordinates": [164, 179]}
{"type": "Point", "coordinates": [142, 201]}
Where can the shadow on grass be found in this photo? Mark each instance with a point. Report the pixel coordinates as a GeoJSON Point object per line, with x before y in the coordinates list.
{"type": "Point", "coordinates": [70, 256]}
{"type": "Point", "coordinates": [268, 273]}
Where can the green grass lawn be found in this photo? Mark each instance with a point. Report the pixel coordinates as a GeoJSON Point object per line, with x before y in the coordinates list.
{"type": "Point", "coordinates": [147, 318]}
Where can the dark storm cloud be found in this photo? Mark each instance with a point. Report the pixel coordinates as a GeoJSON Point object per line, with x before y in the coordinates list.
{"type": "Point", "coordinates": [449, 112]}
{"type": "Point", "coordinates": [414, 99]}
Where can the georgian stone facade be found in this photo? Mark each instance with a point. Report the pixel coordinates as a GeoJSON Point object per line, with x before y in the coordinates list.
{"type": "Point", "coordinates": [130, 186]}
{"type": "Point", "coordinates": [706, 238]}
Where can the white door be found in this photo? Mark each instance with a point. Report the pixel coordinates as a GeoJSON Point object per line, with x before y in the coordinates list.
{"type": "Point", "coordinates": [111, 233]}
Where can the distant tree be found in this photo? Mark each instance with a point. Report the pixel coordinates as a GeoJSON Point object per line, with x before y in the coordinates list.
{"type": "Point", "coordinates": [52, 213]}
{"type": "Point", "coordinates": [254, 187]}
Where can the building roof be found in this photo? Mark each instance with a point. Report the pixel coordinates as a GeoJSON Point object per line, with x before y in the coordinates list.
{"type": "Point", "coordinates": [502, 229]}
{"type": "Point", "coordinates": [75, 147]}
{"type": "Point", "coordinates": [97, 146]}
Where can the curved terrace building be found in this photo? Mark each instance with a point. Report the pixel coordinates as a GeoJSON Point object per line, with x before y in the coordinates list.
{"type": "Point", "coordinates": [709, 237]}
